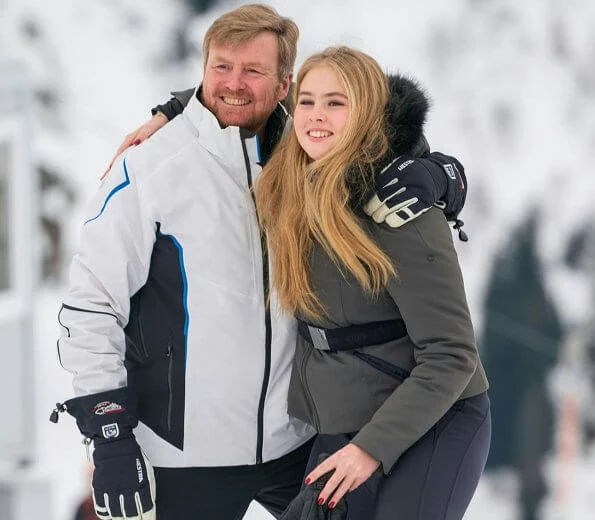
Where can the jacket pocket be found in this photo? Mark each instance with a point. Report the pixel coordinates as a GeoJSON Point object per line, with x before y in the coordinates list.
{"type": "Point", "coordinates": [160, 386]}
{"type": "Point", "coordinates": [300, 403]}
{"type": "Point", "coordinates": [382, 365]}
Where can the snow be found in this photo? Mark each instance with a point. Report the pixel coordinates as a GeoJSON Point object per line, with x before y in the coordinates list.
{"type": "Point", "coordinates": [512, 84]}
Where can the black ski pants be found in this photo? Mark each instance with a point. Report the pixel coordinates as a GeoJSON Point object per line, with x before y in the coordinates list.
{"type": "Point", "coordinates": [435, 478]}
{"type": "Point", "coordinates": [224, 493]}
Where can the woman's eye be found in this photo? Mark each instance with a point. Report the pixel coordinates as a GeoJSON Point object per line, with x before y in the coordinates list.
{"type": "Point", "coordinates": [305, 102]}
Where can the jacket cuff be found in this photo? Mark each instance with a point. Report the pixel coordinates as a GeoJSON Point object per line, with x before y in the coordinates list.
{"type": "Point", "coordinates": [105, 416]}
{"type": "Point", "coordinates": [170, 109]}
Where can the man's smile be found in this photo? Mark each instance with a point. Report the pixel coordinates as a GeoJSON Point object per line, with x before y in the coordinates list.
{"type": "Point", "coordinates": [235, 101]}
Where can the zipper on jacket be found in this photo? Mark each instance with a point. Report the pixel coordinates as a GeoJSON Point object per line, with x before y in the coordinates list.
{"type": "Point", "coordinates": [266, 375]}
{"type": "Point", "coordinates": [170, 394]}
{"type": "Point", "coordinates": [382, 365]}
{"type": "Point", "coordinates": [267, 318]}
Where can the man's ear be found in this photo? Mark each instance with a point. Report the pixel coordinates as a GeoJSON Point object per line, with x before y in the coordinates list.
{"type": "Point", "coordinates": [285, 84]}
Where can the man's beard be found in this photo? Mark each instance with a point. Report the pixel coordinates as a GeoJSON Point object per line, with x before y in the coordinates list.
{"type": "Point", "coordinates": [252, 121]}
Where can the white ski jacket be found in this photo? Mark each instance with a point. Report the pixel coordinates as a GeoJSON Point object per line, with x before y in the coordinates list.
{"type": "Point", "coordinates": [167, 294]}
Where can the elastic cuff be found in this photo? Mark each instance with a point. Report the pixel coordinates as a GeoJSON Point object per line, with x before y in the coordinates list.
{"type": "Point", "coordinates": [95, 413]}
{"type": "Point", "coordinates": [170, 109]}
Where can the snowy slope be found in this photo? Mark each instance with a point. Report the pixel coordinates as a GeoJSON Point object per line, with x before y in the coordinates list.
{"type": "Point", "coordinates": [513, 86]}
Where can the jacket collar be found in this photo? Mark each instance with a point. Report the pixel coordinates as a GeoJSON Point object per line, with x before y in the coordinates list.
{"type": "Point", "coordinates": [218, 140]}
{"type": "Point", "coordinates": [277, 125]}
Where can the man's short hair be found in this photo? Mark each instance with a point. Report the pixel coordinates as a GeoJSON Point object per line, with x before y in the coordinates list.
{"type": "Point", "coordinates": [247, 22]}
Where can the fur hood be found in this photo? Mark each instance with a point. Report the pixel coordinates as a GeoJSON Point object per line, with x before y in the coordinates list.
{"type": "Point", "coordinates": [406, 114]}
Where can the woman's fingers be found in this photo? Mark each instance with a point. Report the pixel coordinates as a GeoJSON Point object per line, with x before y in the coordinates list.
{"type": "Point", "coordinates": [129, 140]}
{"type": "Point", "coordinates": [351, 466]}
{"type": "Point", "coordinates": [333, 484]}
{"type": "Point", "coordinates": [341, 491]}
{"type": "Point", "coordinates": [142, 133]}
{"type": "Point", "coordinates": [324, 467]}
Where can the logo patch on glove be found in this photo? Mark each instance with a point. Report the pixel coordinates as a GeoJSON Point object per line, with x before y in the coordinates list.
{"type": "Point", "coordinates": [107, 407]}
{"type": "Point", "coordinates": [401, 167]}
{"type": "Point", "coordinates": [110, 431]}
{"type": "Point", "coordinates": [450, 171]}
{"type": "Point", "coordinates": [139, 469]}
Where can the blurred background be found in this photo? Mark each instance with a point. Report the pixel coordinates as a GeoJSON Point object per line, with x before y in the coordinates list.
{"type": "Point", "coordinates": [513, 91]}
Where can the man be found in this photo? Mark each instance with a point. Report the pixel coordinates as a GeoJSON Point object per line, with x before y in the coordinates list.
{"type": "Point", "coordinates": [166, 327]}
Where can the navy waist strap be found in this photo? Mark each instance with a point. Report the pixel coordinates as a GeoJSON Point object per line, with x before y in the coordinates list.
{"type": "Point", "coordinates": [352, 336]}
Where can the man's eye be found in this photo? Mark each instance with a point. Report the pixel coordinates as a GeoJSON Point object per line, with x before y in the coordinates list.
{"type": "Point", "coordinates": [223, 66]}
{"type": "Point", "coordinates": [254, 71]}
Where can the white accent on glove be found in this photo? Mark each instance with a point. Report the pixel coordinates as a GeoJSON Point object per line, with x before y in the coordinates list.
{"type": "Point", "coordinates": [380, 211]}
{"type": "Point", "coordinates": [104, 513]}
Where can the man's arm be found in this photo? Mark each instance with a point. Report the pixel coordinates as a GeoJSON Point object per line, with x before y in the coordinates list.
{"type": "Point", "coordinates": [112, 264]}
{"type": "Point", "coordinates": [410, 186]}
{"type": "Point", "coordinates": [406, 188]}
{"type": "Point", "coordinates": [430, 295]}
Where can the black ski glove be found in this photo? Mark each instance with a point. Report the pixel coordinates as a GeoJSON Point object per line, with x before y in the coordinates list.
{"type": "Point", "coordinates": [305, 506]}
{"type": "Point", "coordinates": [454, 191]}
{"type": "Point", "coordinates": [123, 481]}
{"type": "Point", "coordinates": [410, 186]}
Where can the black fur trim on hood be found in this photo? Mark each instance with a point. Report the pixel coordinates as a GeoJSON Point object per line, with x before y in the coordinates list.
{"type": "Point", "coordinates": [406, 114]}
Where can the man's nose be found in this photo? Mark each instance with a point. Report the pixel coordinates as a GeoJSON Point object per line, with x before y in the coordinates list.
{"type": "Point", "coordinates": [235, 81]}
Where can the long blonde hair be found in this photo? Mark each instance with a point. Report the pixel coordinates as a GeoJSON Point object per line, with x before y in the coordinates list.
{"type": "Point", "coordinates": [301, 201]}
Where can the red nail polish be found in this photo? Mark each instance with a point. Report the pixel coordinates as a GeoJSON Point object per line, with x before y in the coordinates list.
{"type": "Point", "coordinates": [320, 501]}
{"type": "Point", "coordinates": [136, 142]}
{"type": "Point", "coordinates": [307, 481]}
{"type": "Point", "coordinates": [331, 505]}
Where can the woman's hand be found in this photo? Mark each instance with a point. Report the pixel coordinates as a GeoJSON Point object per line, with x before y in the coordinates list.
{"type": "Point", "coordinates": [352, 466]}
{"type": "Point", "coordinates": [143, 132]}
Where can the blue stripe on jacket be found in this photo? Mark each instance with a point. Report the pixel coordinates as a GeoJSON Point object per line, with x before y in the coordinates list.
{"type": "Point", "coordinates": [120, 186]}
{"type": "Point", "coordinates": [185, 295]}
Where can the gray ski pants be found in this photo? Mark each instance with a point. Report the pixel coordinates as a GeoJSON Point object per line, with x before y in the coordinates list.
{"type": "Point", "coordinates": [435, 478]}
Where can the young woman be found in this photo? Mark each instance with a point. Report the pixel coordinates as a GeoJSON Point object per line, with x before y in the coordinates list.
{"type": "Point", "coordinates": [386, 367]}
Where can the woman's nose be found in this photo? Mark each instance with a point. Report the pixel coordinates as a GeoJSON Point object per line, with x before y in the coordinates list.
{"type": "Point", "coordinates": [317, 115]}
